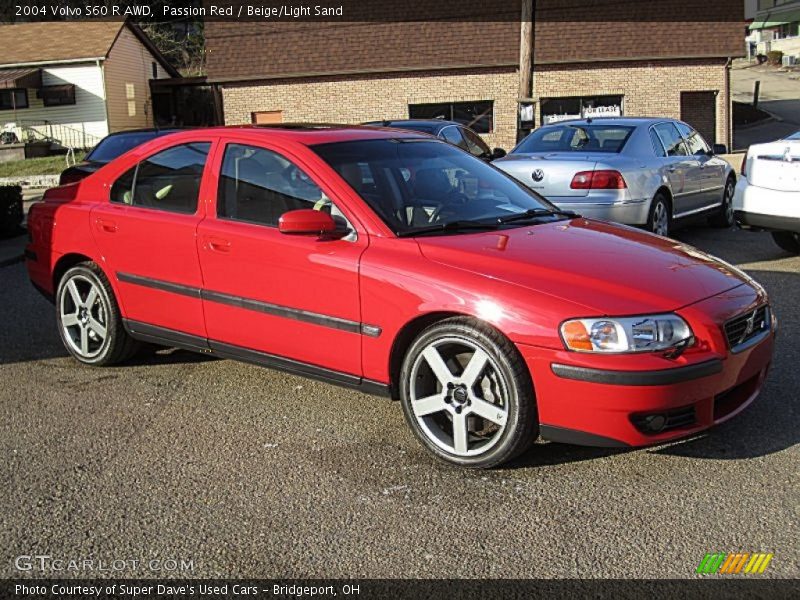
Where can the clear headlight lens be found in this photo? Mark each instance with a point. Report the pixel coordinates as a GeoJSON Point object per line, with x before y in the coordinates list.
{"type": "Point", "coordinates": [649, 333]}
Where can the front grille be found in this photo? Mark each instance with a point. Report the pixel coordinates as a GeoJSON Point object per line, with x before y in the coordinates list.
{"type": "Point", "coordinates": [746, 327]}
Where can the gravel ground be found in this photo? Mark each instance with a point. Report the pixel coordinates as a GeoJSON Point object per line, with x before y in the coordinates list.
{"type": "Point", "coordinates": [247, 472]}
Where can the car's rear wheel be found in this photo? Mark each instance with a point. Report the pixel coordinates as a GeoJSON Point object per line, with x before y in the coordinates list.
{"type": "Point", "coordinates": [724, 218]}
{"type": "Point", "coordinates": [88, 318]}
{"type": "Point", "coordinates": [467, 394]}
{"type": "Point", "coordinates": [659, 221]}
{"type": "Point", "coordinates": [787, 240]}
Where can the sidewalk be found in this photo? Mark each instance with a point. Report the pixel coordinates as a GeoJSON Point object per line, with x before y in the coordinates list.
{"type": "Point", "coordinates": [12, 249]}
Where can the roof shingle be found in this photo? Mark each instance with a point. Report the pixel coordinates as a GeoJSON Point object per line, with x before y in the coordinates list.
{"type": "Point", "coordinates": [56, 41]}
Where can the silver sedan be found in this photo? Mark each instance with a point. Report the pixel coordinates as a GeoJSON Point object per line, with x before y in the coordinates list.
{"type": "Point", "coordinates": [639, 171]}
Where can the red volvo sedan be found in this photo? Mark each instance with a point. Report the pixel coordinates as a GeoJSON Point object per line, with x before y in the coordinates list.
{"type": "Point", "coordinates": [395, 263]}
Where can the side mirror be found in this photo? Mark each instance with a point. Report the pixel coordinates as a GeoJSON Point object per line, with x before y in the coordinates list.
{"type": "Point", "coordinates": [498, 153]}
{"type": "Point", "coordinates": [720, 149]}
{"type": "Point", "coordinates": [306, 221]}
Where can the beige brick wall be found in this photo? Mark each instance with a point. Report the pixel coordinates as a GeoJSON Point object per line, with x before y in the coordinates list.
{"type": "Point", "coordinates": [649, 88]}
{"type": "Point", "coordinates": [357, 98]}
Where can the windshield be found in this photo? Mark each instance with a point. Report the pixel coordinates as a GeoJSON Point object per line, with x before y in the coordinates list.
{"type": "Point", "coordinates": [413, 184]}
{"type": "Point", "coordinates": [116, 145]}
{"type": "Point", "coordinates": [577, 138]}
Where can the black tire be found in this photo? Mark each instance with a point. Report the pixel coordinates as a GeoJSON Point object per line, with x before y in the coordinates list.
{"type": "Point", "coordinates": [117, 346]}
{"type": "Point", "coordinates": [724, 218]}
{"type": "Point", "coordinates": [787, 240]}
{"type": "Point", "coordinates": [657, 220]}
{"type": "Point", "coordinates": [504, 366]}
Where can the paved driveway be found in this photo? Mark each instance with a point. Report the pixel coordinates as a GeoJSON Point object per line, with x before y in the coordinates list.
{"type": "Point", "coordinates": [780, 95]}
{"type": "Point", "coordinates": [248, 472]}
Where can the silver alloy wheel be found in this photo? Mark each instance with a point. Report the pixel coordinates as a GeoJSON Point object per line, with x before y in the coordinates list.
{"type": "Point", "coordinates": [660, 219]}
{"type": "Point", "coordinates": [459, 396]}
{"type": "Point", "coordinates": [83, 316]}
{"type": "Point", "coordinates": [727, 200]}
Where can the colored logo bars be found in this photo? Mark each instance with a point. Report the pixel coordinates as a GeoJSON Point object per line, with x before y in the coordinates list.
{"type": "Point", "coordinates": [734, 563]}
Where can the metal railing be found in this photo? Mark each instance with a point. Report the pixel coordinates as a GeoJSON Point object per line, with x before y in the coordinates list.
{"type": "Point", "coordinates": [63, 136]}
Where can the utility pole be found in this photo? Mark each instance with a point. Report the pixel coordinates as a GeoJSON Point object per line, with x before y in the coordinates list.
{"type": "Point", "coordinates": [525, 91]}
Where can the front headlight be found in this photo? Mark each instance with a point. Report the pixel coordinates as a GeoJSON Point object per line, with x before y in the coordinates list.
{"type": "Point", "coordinates": [649, 333]}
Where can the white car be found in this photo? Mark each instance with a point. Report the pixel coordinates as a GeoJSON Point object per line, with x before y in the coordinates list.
{"type": "Point", "coordinates": [767, 195]}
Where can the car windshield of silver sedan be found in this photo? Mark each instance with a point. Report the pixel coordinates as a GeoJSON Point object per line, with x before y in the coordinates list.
{"type": "Point", "coordinates": [606, 138]}
{"type": "Point", "coordinates": [423, 186]}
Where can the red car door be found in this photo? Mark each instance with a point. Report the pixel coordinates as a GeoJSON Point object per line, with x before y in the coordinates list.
{"type": "Point", "coordinates": [146, 234]}
{"type": "Point", "coordinates": [282, 296]}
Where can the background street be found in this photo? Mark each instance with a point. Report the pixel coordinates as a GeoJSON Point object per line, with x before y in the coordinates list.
{"type": "Point", "coordinates": [780, 96]}
{"type": "Point", "coordinates": [251, 472]}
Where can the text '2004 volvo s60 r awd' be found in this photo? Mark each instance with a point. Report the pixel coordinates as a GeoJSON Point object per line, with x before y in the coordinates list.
{"type": "Point", "coordinates": [401, 265]}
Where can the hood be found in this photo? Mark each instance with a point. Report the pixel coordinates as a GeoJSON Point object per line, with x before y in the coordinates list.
{"type": "Point", "coordinates": [610, 269]}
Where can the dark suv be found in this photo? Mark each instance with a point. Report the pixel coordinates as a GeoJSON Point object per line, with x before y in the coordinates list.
{"type": "Point", "coordinates": [450, 131]}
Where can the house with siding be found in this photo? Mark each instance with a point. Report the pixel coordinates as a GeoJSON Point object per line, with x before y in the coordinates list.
{"type": "Point", "coordinates": [466, 60]}
{"type": "Point", "coordinates": [72, 83]}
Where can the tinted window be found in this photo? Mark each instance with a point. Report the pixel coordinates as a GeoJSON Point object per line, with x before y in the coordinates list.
{"type": "Point", "coordinates": [453, 136]}
{"type": "Point", "coordinates": [417, 183]}
{"type": "Point", "coordinates": [10, 99]}
{"type": "Point", "coordinates": [577, 138]}
{"type": "Point", "coordinates": [258, 186]}
{"type": "Point", "coordinates": [475, 144]}
{"type": "Point", "coordinates": [113, 146]}
{"type": "Point", "coordinates": [478, 116]}
{"type": "Point", "coordinates": [694, 141]}
{"type": "Point", "coordinates": [169, 180]}
{"type": "Point", "coordinates": [671, 139]}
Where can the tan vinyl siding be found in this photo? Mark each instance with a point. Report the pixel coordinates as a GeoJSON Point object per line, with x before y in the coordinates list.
{"type": "Point", "coordinates": [67, 123]}
{"type": "Point", "coordinates": [127, 72]}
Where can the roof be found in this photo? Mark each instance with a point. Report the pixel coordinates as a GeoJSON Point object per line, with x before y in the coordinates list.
{"type": "Point", "coordinates": [67, 41]}
{"type": "Point", "coordinates": [307, 134]}
{"type": "Point", "coordinates": [432, 125]}
{"type": "Point", "coordinates": [630, 121]}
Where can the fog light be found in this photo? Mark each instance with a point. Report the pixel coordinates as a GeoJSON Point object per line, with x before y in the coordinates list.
{"type": "Point", "coordinates": [655, 423]}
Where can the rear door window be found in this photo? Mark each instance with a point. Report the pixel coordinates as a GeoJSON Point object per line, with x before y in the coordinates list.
{"type": "Point", "coordinates": [671, 139]}
{"type": "Point", "coordinates": [453, 135]}
{"type": "Point", "coordinates": [475, 144]}
{"type": "Point", "coordinates": [169, 180]}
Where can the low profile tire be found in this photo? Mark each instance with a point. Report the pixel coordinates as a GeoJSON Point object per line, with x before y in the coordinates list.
{"type": "Point", "coordinates": [659, 220]}
{"type": "Point", "coordinates": [787, 240]}
{"type": "Point", "coordinates": [724, 218]}
{"type": "Point", "coordinates": [89, 320]}
{"type": "Point", "coordinates": [467, 394]}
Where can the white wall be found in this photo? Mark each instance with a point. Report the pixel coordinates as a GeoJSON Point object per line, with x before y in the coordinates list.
{"type": "Point", "coordinates": [87, 114]}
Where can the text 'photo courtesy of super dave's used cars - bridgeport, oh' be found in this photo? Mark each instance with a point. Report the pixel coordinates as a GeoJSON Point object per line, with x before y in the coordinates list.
{"type": "Point", "coordinates": [408, 268]}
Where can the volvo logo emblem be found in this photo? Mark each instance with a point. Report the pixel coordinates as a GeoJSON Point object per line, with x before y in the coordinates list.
{"type": "Point", "coordinates": [751, 326]}
{"type": "Point", "coordinates": [537, 174]}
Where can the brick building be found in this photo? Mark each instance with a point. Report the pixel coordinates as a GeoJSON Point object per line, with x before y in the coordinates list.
{"type": "Point", "coordinates": [464, 63]}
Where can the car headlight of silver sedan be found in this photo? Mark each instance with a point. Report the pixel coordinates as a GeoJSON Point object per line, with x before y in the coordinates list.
{"type": "Point", "coordinates": [649, 333]}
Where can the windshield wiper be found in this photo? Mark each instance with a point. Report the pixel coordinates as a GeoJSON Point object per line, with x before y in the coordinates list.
{"type": "Point", "coordinates": [535, 213]}
{"type": "Point", "coordinates": [449, 226]}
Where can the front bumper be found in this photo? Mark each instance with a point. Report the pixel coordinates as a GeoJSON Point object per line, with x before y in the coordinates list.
{"type": "Point", "coordinates": [639, 400]}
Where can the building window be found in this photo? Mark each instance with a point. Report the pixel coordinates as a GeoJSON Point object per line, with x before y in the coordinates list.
{"type": "Point", "coordinates": [564, 109]}
{"type": "Point", "coordinates": [57, 95]}
{"type": "Point", "coordinates": [154, 68]}
{"type": "Point", "coordinates": [478, 116]}
{"type": "Point", "coordinates": [11, 99]}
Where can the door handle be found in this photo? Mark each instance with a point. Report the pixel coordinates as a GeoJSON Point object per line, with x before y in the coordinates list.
{"type": "Point", "coordinates": [106, 225]}
{"type": "Point", "coordinates": [216, 244]}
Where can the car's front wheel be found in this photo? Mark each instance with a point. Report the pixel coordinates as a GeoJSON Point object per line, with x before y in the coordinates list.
{"type": "Point", "coordinates": [467, 394]}
{"type": "Point", "coordinates": [787, 240]}
{"type": "Point", "coordinates": [88, 318]}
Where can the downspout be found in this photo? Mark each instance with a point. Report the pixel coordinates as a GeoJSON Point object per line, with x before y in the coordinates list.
{"type": "Point", "coordinates": [102, 68]}
{"type": "Point", "coordinates": [728, 105]}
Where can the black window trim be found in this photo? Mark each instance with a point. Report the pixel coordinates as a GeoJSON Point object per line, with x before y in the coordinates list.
{"type": "Point", "coordinates": [451, 104]}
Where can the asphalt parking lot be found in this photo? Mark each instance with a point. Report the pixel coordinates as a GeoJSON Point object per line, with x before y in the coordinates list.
{"type": "Point", "coordinates": [248, 472]}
